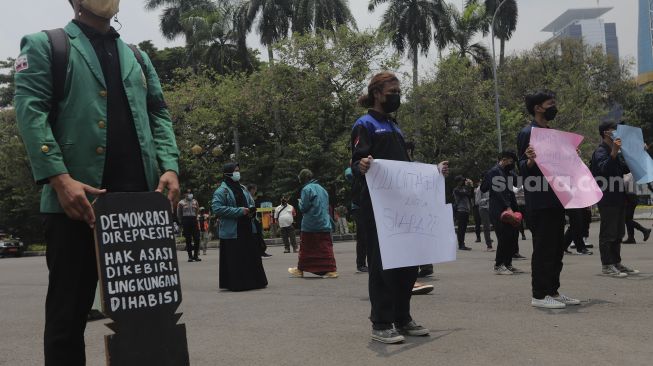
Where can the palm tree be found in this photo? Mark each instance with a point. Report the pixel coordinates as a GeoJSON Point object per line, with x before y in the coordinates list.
{"type": "Point", "coordinates": [315, 15]}
{"type": "Point", "coordinates": [505, 23]}
{"type": "Point", "coordinates": [274, 22]}
{"type": "Point", "coordinates": [462, 30]}
{"type": "Point", "coordinates": [173, 13]}
{"type": "Point", "coordinates": [412, 25]}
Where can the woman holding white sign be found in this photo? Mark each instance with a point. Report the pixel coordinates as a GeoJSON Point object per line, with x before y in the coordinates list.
{"type": "Point", "coordinates": [377, 135]}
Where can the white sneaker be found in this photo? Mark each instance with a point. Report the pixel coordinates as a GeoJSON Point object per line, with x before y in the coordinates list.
{"type": "Point", "coordinates": [548, 303]}
{"type": "Point", "coordinates": [627, 270]}
{"type": "Point", "coordinates": [612, 271]}
{"type": "Point", "coordinates": [566, 299]}
{"type": "Point", "coordinates": [502, 270]}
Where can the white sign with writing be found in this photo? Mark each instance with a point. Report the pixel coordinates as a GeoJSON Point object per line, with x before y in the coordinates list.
{"type": "Point", "coordinates": [414, 224]}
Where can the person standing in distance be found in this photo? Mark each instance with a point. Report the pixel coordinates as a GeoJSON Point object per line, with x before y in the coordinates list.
{"type": "Point", "coordinates": [109, 132]}
{"type": "Point", "coordinates": [187, 211]}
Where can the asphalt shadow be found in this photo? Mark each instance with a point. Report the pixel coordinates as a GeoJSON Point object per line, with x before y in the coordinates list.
{"type": "Point", "coordinates": [390, 350]}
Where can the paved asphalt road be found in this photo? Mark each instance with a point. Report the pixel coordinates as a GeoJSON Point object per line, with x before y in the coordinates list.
{"type": "Point", "coordinates": [476, 318]}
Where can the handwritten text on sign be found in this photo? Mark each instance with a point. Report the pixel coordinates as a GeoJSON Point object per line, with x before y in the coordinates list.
{"type": "Point", "coordinates": [414, 225]}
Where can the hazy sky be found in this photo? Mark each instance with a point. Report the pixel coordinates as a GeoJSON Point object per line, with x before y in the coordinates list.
{"type": "Point", "coordinates": [27, 16]}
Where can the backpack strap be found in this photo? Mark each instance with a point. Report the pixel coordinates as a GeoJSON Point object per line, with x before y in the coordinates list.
{"type": "Point", "coordinates": [139, 57]}
{"type": "Point", "coordinates": [60, 51]}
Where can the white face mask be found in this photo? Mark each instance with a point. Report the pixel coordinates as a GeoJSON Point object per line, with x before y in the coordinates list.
{"type": "Point", "coordinates": [235, 176]}
{"type": "Point", "coordinates": [190, 196]}
{"type": "Point", "coordinates": [102, 8]}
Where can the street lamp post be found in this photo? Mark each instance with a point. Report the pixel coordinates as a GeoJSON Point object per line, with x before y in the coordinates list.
{"type": "Point", "coordinates": [496, 77]}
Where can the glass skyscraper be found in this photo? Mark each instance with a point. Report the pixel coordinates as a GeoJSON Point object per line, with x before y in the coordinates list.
{"type": "Point", "coordinates": [645, 42]}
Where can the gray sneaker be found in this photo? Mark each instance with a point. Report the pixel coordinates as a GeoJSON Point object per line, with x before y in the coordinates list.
{"type": "Point", "coordinates": [612, 271]}
{"type": "Point", "coordinates": [626, 270]}
{"type": "Point", "coordinates": [387, 336]}
{"type": "Point", "coordinates": [414, 330]}
{"type": "Point", "coordinates": [502, 270]}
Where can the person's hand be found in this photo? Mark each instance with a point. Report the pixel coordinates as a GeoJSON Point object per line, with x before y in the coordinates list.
{"type": "Point", "coordinates": [616, 147]}
{"type": "Point", "coordinates": [530, 154]}
{"type": "Point", "coordinates": [443, 167]}
{"type": "Point", "coordinates": [245, 211]}
{"type": "Point", "coordinates": [364, 164]}
{"type": "Point", "coordinates": [169, 181]}
{"type": "Point", "coordinates": [72, 198]}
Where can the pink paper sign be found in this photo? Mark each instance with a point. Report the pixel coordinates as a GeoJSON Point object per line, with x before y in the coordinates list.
{"type": "Point", "coordinates": [567, 175]}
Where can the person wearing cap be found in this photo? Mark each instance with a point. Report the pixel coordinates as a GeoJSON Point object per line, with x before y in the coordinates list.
{"type": "Point", "coordinates": [608, 166]}
{"type": "Point", "coordinates": [500, 182]}
{"type": "Point", "coordinates": [109, 132]}
{"type": "Point", "coordinates": [315, 246]}
{"type": "Point", "coordinates": [241, 268]}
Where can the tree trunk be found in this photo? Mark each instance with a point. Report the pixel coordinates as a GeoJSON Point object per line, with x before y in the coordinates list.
{"type": "Point", "coordinates": [415, 64]}
{"type": "Point", "coordinates": [502, 52]}
{"type": "Point", "coordinates": [270, 55]}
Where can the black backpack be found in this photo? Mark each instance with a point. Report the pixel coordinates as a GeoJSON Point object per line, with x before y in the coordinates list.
{"type": "Point", "coordinates": [60, 47]}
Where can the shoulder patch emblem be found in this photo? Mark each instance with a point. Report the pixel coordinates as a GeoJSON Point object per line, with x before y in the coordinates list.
{"type": "Point", "coordinates": [21, 63]}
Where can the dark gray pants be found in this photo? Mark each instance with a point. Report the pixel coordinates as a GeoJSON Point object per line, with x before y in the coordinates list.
{"type": "Point", "coordinates": [288, 236]}
{"type": "Point", "coordinates": [487, 229]}
{"type": "Point", "coordinates": [613, 228]}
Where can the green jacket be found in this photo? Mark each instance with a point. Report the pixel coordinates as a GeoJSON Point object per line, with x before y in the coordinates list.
{"type": "Point", "coordinates": [75, 143]}
{"type": "Point", "coordinates": [224, 206]}
{"type": "Point", "coordinates": [314, 205]}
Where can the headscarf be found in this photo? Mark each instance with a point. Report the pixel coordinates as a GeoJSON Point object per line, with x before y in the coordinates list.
{"type": "Point", "coordinates": [228, 170]}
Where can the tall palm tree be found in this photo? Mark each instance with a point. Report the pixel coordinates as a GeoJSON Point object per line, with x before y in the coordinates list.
{"type": "Point", "coordinates": [173, 12]}
{"type": "Point", "coordinates": [413, 24]}
{"type": "Point", "coordinates": [505, 23]}
{"type": "Point", "coordinates": [463, 28]}
{"type": "Point", "coordinates": [274, 21]}
{"type": "Point", "coordinates": [314, 15]}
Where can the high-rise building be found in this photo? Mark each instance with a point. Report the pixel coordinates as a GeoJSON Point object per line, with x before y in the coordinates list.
{"type": "Point", "coordinates": [645, 43]}
{"type": "Point", "coordinates": [587, 26]}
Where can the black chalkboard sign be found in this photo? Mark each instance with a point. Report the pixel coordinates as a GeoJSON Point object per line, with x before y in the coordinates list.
{"type": "Point", "coordinates": [139, 280]}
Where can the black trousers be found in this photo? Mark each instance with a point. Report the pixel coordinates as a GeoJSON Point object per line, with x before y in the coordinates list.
{"type": "Point", "coordinates": [288, 236]}
{"type": "Point", "coordinates": [576, 227]}
{"type": "Point", "coordinates": [192, 235]}
{"type": "Point", "coordinates": [548, 227]}
{"type": "Point", "coordinates": [631, 224]}
{"type": "Point", "coordinates": [462, 219]}
{"type": "Point", "coordinates": [587, 222]}
{"type": "Point", "coordinates": [361, 245]}
{"type": "Point", "coordinates": [390, 290]}
{"type": "Point", "coordinates": [611, 233]}
{"type": "Point", "coordinates": [507, 236]}
{"type": "Point", "coordinates": [72, 279]}
{"type": "Point", "coordinates": [477, 222]}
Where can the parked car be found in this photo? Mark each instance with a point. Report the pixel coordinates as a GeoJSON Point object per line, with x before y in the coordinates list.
{"type": "Point", "coordinates": [10, 246]}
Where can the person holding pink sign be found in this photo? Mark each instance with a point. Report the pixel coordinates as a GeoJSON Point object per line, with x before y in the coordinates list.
{"type": "Point", "coordinates": [546, 213]}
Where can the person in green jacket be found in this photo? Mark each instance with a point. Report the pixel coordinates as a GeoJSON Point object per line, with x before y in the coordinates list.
{"type": "Point", "coordinates": [316, 245]}
{"type": "Point", "coordinates": [109, 132]}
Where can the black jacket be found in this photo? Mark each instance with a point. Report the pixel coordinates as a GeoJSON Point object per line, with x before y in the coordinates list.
{"type": "Point", "coordinates": [535, 199]}
{"type": "Point", "coordinates": [501, 191]}
{"type": "Point", "coordinates": [604, 167]}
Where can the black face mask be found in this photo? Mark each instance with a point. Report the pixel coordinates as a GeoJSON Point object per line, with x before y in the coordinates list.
{"type": "Point", "coordinates": [283, 202]}
{"type": "Point", "coordinates": [509, 167]}
{"type": "Point", "coordinates": [551, 113]}
{"type": "Point", "coordinates": [392, 103]}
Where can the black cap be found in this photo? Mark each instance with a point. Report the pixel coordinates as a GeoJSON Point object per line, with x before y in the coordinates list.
{"type": "Point", "coordinates": [607, 125]}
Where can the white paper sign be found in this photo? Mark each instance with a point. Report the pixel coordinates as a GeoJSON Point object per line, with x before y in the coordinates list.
{"type": "Point", "coordinates": [414, 224]}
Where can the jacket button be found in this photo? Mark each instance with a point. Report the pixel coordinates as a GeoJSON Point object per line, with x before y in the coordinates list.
{"type": "Point", "coordinates": [45, 149]}
{"type": "Point", "coordinates": [103, 93]}
{"type": "Point", "coordinates": [99, 150]}
{"type": "Point", "coordinates": [102, 124]}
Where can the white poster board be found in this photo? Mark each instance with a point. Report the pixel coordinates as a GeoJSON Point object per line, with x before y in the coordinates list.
{"type": "Point", "coordinates": [414, 224]}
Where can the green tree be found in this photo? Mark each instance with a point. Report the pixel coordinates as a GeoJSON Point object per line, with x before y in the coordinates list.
{"type": "Point", "coordinates": [7, 82]}
{"type": "Point", "coordinates": [311, 16]}
{"type": "Point", "coordinates": [463, 29]}
{"type": "Point", "coordinates": [274, 21]}
{"type": "Point", "coordinates": [505, 23]}
{"type": "Point", "coordinates": [412, 25]}
{"type": "Point", "coordinates": [173, 13]}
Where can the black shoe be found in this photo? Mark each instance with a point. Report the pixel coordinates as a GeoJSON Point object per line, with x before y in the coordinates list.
{"type": "Point", "coordinates": [567, 251]}
{"type": "Point", "coordinates": [591, 246]}
{"type": "Point", "coordinates": [647, 234]}
{"type": "Point", "coordinates": [191, 260]}
{"type": "Point", "coordinates": [197, 259]}
{"type": "Point", "coordinates": [425, 273]}
{"type": "Point", "coordinates": [585, 252]}
{"type": "Point", "coordinates": [362, 269]}
{"type": "Point", "coordinates": [629, 241]}
{"type": "Point", "coordinates": [518, 256]}
{"type": "Point", "coordinates": [464, 248]}
{"type": "Point", "coordinates": [266, 255]}
{"type": "Point", "coordinates": [478, 240]}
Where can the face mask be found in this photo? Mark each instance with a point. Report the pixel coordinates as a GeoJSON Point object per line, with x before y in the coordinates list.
{"type": "Point", "coordinates": [551, 113]}
{"type": "Point", "coordinates": [283, 202]}
{"type": "Point", "coordinates": [190, 196]}
{"type": "Point", "coordinates": [102, 8]}
{"type": "Point", "coordinates": [235, 176]}
{"type": "Point", "coordinates": [392, 103]}
{"type": "Point", "coordinates": [509, 167]}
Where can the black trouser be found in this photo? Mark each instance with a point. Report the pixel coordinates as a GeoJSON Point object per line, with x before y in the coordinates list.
{"type": "Point", "coordinates": [72, 280]}
{"type": "Point", "coordinates": [288, 236]}
{"type": "Point", "coordinates": [631, 224]}
{"type": "Point", "coordinates": [611, 233]}
{"type": "Point", "coordinates": [548, 228]}
{"type": "Point", "coordinates": [192, 235]}
{"type": "Point", "coordinates": [259, 237]}
{"type": "Point", "coordinates": [477, 223]}
{"type": "Point", "coordinates": [524, 221]}
{"type": "Point", "coordinates": [462, 218]}
{"type": "Point", "coordinates": [361, 245]}
{"type": "Point", "coordinates": [390, 290]}
{"type": "Point", "coordinates": [507, 236]}
{"type": "Point", "coordinates": [587, 222]}
{"type": "Point", "coordinates": [575, 230]}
